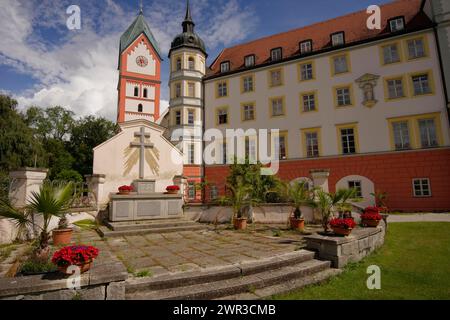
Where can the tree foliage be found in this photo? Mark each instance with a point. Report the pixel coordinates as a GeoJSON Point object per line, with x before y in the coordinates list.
{"type": "Point", "coordinates": [50, 137]}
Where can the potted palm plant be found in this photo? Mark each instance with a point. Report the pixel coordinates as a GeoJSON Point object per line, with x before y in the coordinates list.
{"type": "Point", "coordinates": [327, 202]}
{"type": "Point", "coordinates": [297, 194]}
{"type": "Point", "coordinates": [51, 201]}
{"type": "Point", "coordinates": [239, 199]}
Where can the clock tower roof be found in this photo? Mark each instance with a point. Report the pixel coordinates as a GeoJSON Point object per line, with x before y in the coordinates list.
{"type": "Point", "coordinates": [138, 27]}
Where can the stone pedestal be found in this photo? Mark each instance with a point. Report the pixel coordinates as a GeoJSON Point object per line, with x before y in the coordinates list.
{"type": "Point", "coordinates": [145, 206]}
{"type": "Point", "coordinates": [181, 182]}
{"type": "Point", "coordinates": [144, 186]}
{"type": "Point", "coordinates": [24, 182]}
{"type": "Point", "coordinates": [96, 184]}
{"type": "Point", "coordinates": [320, 178]}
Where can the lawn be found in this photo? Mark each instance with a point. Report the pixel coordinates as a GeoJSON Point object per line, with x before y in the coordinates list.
{"type": "Point", "coordinates": [414, 263]}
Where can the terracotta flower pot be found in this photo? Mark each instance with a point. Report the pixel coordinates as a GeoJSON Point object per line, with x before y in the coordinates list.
{"type": "Point", "coordinates": [172, 191]}
{"type": "Point", "coordinates": [62, 236]}
{"type": "Point", "coordinates": [124, 192]}
{"type": "Point", "coordinates": [298, 224]}
{"type": "Point", "coordinates": [342, 231]}
{"type": "Point", "coordinates": [83, 268]}
{"type": "Point", "coordinates": [240, 223]}
{"type": "Point", "coordinates": [370, 223]}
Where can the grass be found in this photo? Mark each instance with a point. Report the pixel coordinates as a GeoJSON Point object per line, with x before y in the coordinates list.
{"type": "Point", "coordinates": [414, 263]}
{"type": "Point", "coordinates": [30, 267]}
{"type": "Point", "coordinates": [143, 274]}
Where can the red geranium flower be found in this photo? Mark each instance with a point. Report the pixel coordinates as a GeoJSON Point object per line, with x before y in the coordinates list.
{"type": "Point", "coordinates": [173, 188]}
{"type": "Point", "coordinates": [371, 216]}
{"type": "Point", "coordinates": [126, 188]}
{"type": "Point", "coordinates": [346, 223]}
{"type": "Point", "coordinates": [74, 255]}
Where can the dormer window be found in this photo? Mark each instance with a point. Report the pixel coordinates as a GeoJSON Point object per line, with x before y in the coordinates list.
{"type": "Point", "coordinates": [337, 39]}
{"type": "Point", "coordinates": [397, 24]}
{"type": "Point", "coordinates": [305, 46]}
{"type": "Point", "coordinates": [276, 54]}
{"type": "Point", "coordinates": [249, 60]}
{"type": "Point", "coordinates": [225, 66]}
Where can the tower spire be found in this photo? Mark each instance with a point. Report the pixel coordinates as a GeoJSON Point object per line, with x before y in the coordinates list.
{"type": "Point", "coordinates": [188, 24]}
{"type": "Point", "coordinates": [141, 9]}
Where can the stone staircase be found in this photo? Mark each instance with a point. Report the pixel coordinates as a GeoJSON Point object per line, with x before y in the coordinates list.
{"type": "Point", "coordinates": [129, 228]}
{"type": "Point", "coordinates": [247, 280]}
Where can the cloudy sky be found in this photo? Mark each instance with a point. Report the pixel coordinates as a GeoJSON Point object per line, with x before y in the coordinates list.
{"type": "Point", "coordinates": [43, 63]}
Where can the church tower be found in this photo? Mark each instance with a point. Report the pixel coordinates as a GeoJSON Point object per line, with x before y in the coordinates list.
{"type": "Point", "coordinates": [187, 67]}
{"type": "Point", "coordinates": [139, 73]}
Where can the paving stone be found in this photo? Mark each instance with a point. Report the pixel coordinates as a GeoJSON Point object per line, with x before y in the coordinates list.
{"type": "Point", "coordinates": [115, 291]}
{"type": "Point", "coordinates": [184, 267]}
{"type": "Point", "coordinates": [158, 271]}
{"type": "Point", "coordinates": [141, 263]}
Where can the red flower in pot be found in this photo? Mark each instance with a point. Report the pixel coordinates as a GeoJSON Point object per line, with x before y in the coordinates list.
{"type": "Point", "coordinates": [371, 217]}
{"type": "Point", "coordinates": [77, 255]}
{"type": "Point", "coordinates": [172, 189]}
{"type": "Point", "coordinates": [342, 226]}
{"type": "Point", "coordinates": [125, 189]}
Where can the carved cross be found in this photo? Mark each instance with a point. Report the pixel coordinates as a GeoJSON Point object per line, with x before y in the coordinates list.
{"type": "Point", "coordinates": [142, 145]}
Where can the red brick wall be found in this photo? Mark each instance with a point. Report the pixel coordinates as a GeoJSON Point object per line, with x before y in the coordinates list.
{"type": "Point", "coordinates": [193, 174]}
{"type": "Point", "coordinates": [390, 172]}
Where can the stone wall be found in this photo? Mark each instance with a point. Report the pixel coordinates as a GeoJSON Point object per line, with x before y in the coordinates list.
{"type": "Point", "coordinates": [342, 250]}
{"type": "Point", "coordinates": [268, 213]}
{"type": "Point", "coordinates": [105, 281]}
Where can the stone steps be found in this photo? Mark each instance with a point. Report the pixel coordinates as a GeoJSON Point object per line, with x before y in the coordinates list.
{"type": "Point", "coordinates": [250, 278]}
{"type": "Point", "coordinates": [118, 229]}
{"type": "Point", "coordinates": [285, 287]}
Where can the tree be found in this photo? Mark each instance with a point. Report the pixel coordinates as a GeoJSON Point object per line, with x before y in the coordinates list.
{"type": "Point", "coordinates": [250, 174]}
{"type": "Point", "coordinates": [51, 123]}
{"type": "Point", "coordinates": [18, 146]}
{"type": "Point", "coordinates": [86, 134]}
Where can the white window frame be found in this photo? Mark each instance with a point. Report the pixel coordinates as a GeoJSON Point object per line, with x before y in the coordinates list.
{"type": "Point", "coordinates": [338, 61]}
{"type": "Point", "coordinates": [309, 104]}
{"type": "Point", "coordinates": [191, 188]}
{"type": "Point", "coordinates": [345, 94]}
{"type": "Point", "coordinates": [278, 103]}
{"type": "Point", "coordinates": [178, 117]}
{"type": "Point", "coordinates": [276, 81]}
{"type": "Point", "coordinates": [359, 192]}
{"type": "Point", "coordinates": [312, 144]}
{"type": "Point", "coordinates": [276, 54]}
{"type": "Point", "coordinates": [305, 46]}
{"type": "Point", "coordinates": [388, 56]}
{"type": "Point", "coordinates": [421, 195]}
{"type": "Point", "coordinates": [421, 80]}
{"type": "Point", "coordinates": [396, 24]}
{"type": "Point", "coordinates": [247, 82]}
{"type": "Point", "coordinates": [249, 61]}
{"type": "Point", "coordinates": [191, 153]}
{"type": "Point", "coordinates": [249, 109]}
{"type": "Point", "coordinates": [222, 112]}
{"type": "Point", "coordinates": [191, 89]}
{"type": "Point", "coordinates": [222, 89]}
{"type": "Point", "coordinates": [306, 71]}
{"type": "Point", "coordinates": [191, 116]}
{"type": "Point", "coordinates": [404, 145]}
{"type": "Point", "coordinates": [429, 137]}
{"type": "Point", "coordinates": [225, 66]}
{"type": "Point", "coordinates": [345, 141]}
{"type": "Point", "coordinates": [416, 53]}
{"type": "Point", "coordinates": [396, 85]}
{"type": "Point", "coordinates": [338, 39]}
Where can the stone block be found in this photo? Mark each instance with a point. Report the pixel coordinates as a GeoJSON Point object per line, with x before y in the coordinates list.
{"type": "Point", "coordinates": [115, 291]}
{"type": "Point", "coordinates": [349, 248]}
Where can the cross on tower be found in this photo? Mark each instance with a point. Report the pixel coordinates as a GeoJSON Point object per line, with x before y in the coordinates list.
{"type": "Point", "coordinates": [142, 145]}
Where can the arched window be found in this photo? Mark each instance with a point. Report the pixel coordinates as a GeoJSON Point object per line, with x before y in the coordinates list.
{"type": "Point", "coordinates": [178, 64]}
{"type": "Point", "coordinates": [145, 93]}
{"type": "Point", "coordinates": [136, 91]}
{"type": "Point", "coordinates": [140, 107]}
{"type": "Point", "coordinates": [191, 63]}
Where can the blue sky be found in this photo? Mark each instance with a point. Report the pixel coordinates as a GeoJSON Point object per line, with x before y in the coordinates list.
{"type": "Point", "coordinates": [43, 63]}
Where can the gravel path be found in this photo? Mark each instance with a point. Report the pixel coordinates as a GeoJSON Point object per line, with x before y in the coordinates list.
{"type": "Point", "coordinates": [431, 217]}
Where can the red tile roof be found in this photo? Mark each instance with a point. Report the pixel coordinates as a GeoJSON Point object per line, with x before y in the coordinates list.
{"type": "Point", "coordinates": [354, 26]}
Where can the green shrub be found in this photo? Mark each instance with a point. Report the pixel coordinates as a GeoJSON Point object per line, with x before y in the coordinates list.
{"type": "Point", "coordinates": [32, 266]}
{"type": "Point", "coordinates": [69, 175]}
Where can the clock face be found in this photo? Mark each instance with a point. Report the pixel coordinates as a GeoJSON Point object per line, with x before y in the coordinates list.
{"type": "Point", "coordinates": [141, 61]}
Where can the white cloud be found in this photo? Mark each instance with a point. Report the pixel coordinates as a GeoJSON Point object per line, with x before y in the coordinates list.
{"type": "Point", "coordinates": [78, 69]}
